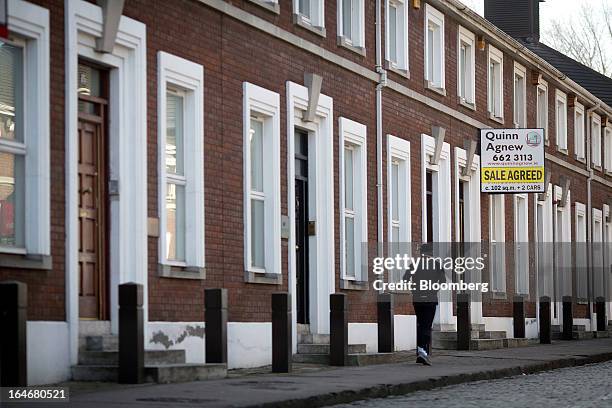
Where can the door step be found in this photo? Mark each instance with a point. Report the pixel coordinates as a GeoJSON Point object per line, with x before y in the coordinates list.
{"type": "Point", "coordinates": [324, 348]}
{"type": "Point", "coordinates": [480, 340]}
{"type": "Point", "coordinates": [152, 357]}
{"type": "Point", "coordinates": [166, 373]}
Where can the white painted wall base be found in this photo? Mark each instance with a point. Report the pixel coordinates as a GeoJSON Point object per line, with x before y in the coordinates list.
{"type": "Point", "coordinates": [48, 352]}
{"type": "Point", "coordinates": [499, 324]}
{"type": "Point", "coordinates": [188, 336]}
{"type": "Point", "coordinates": [364, 333]}
{"type": "Point", "coordinates": [586, 323]}
{"type": "Point", "coordinates": [405, 332]}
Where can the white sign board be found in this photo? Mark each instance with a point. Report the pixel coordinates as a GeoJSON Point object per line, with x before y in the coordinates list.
{"type": "Point", "coordinates": [512, 160]}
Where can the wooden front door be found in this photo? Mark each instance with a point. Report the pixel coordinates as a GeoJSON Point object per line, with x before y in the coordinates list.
{"type": "Point", "coordinates": [92, 196]}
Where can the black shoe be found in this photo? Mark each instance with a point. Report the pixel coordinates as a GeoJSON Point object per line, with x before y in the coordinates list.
{"type": "Point", "coordinates": [421, 359]}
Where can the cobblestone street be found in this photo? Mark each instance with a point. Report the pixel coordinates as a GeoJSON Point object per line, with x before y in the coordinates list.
{"type": "Point", "coordinates": [586, 386]}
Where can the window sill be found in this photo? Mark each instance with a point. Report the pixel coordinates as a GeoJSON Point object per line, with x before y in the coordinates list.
{"type": "Point", "coordinates": [498, 119]}
{"type": "Point", "coordinates": [351, 284]}
{"type": "Point", "coordinates": [298, 19]}
{"type": "Point", "coordinates": [263, 278]}
{"type": "Point", "coordinates": [25, 261]}
{"type": "Point", "coordinates": [268, 5]}
{"type": "Point", "coordinates": [562, 151]}
{"type": "Point", "coordinates": [498, 295]}
{"type": "Point", "coordinates": [399, 71]}
{"type": "Point", "coordinates": [598, 168]}
{"type": "Point", "coordinates": [580, 159]}
{"type": "Point", "coordinates": [181, 272]}
{"type": "Point", "coordinates": [466, 104]}
{"type": "Point", "coordinates": [430, 86]}
{"type": "Point", "coordinates": [356, 49]}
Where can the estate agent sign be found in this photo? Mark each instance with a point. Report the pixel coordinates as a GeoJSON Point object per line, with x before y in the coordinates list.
{"type": "Point", "coordinates": [512, 160]}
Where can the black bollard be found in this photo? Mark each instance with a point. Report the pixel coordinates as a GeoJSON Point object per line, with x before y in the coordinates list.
{"type": "Point", "coordinates": [131, 334]}
{"type": "Point", "coordinates": [568, 318]}
{"type": "Point", "coordinates": [464, 325]}
{"type": "Point", "coordinates": [386, 328]}
{"type": "Point", "coordinates": [519, 317]}
{"type": "Point", "coordinates": [215, 305]}
{"type": "Point", "coordinates": [281, 332]}
{"type": "Point", "coordinates": [545, 320]}
{"type": "Point", "coordinates": [600, 309]}
{"type": "Point", "coordinates": [13, 340]}
{"type": "Point", "coordinates": [338, 324]}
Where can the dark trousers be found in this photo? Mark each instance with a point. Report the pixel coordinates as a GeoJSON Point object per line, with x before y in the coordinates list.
{"type": "Point", "coordinates": [425, 312]}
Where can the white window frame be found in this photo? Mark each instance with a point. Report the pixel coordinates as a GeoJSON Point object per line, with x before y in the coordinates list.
{"type": "Point", "coordinates": [607, 150]}
{"type": "Point", "coordinates": [520, 112]}
{"type": "Point", "coordinates": [596, 140]}
{"type": "Point", "coordinates": [467, 38]}
{"type": "Point", "coordinates": [542, 114]}
{"type": "Point", "coordinates": [581, 251]}
{"type": "Point", "coordinates": [186, 77]}
{"type": "Point", "coordinates": [495, 107]}
{"type": "Point", "coordinates": [398, 151]}
{"type": "Point", "coordinates": [402, 36]}
{"type": "Point", "coordinates": [563, 239]}
{"type": "Point", "coordinates": [354, 134]}
{"type": "Point", "coordinates": [316, 17]}
{"type": "Point", "coordinates": [30, 23]}
{"type": "Point", "coordinates": [561, 121]}
{"type": "Point", "coordinates": [438, 71]}
{"type": "Point", "coordinates": [497, 238]}
{"type": "Point", "coordinates": [264, 104]}
{"type": "Point", "coordinates": [579, 142]}
{"type": "Point", "coordinates": [357, 38]}
{"type": "Point", "coordinates": [521, 243]}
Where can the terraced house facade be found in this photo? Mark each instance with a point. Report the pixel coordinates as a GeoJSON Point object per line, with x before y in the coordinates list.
{"type": "Point", "coordinates": [254, 145]}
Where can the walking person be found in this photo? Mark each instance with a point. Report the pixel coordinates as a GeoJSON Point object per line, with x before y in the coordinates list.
{"type": "Point", "coordinates": [425, 301]}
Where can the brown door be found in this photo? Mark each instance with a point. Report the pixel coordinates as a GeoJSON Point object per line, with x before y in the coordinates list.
{"type": "Point", "coordinates": [92, 206]}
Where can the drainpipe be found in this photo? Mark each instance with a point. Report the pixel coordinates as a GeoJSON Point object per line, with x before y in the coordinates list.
{"type": "Point", "coordinates": [382, 82]}
{"type": "Point", "coordinates": [589, 215]}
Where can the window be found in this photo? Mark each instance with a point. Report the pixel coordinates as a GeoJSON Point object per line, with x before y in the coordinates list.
{"type": "Point", "coordinates": [181, 159]}
{"type": "Point", "coordinates": [24, 132]}
{"type": "Point", "coordinates": [542, 109]}
{"type": "Point", "coordinates": [434, 47]}
{"type": "Point", "coordinates": [351, 24]}
{"type": "Point", "coordinates": [397, 33]}
{"type": "Point", "coordinates": [465, 66]}
{"type": "Point", "coordinates": [495, 83]}
{"type": "Point", "coordinates": [521, 242]}
{"type": "Point", "coordinates": [607, 152]}
{"type": "Point", "coordinates": [497, 238]}
{"type": "Point", "coordinates": [310, 14]}
{"type": "Point", "coordinates": [398, 194]}
{"type": "Point", "coordinates": [561, 120]}
{"type": "Point", "coordinates": [582, 282]}
{"type": "Point", "coordinates": [271, 5]}
{"type": "Point", "coordinates": [596, 140]}
{"type": "Point", "coordinates": [520, 107]}
{"type": "Point", "coordinates": [353, 199]}
{"type": "Point", "coordinates": [261, 179]}
{"type": "Point", "coordinates": [579, 131]}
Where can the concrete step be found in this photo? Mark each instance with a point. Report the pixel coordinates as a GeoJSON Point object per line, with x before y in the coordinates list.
{"type": "Point", "coordinates": [494, 334]}
{"type": "Point", "coordinates": [486, 344]}
{"type": "Point", "coordinates": [167, 373]}
{"type": "Point", "coordinates": [324, 348]}
{"type": "Point", "coordinates": [152, 357]}
{"type": "Point", "coordinates": [321, 359]}
{"type": "Point", "coordinates": [105, 342]}
{"type": "Point", "coordinates": [579, 327]}
{"type": "Point", "coordinates": [313, 338]}
{"type": "Point", "coordinates": [359, 359]}
{"type": "Point", "coordinates": [601, 334]}
{"type": "Point", "coordinates": [511, 343]}
{"type": "Point", "coordinates": [582, 335]}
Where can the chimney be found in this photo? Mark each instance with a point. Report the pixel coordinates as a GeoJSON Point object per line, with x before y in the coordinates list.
{"type": "Point", "coordinates": [518, 18]}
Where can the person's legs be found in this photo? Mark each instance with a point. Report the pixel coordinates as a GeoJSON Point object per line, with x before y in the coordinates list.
{"type": "Point", "coordinates": [428, 314]}
{"type": "Point", "coordinates": [420, 312]}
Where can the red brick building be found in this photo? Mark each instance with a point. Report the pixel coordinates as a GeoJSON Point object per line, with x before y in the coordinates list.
{"type": "Point", "coordinates": [190, 147]}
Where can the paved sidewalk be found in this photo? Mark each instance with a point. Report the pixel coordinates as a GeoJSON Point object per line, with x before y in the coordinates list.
{"type": "Point", "coordinates": [336, 385]}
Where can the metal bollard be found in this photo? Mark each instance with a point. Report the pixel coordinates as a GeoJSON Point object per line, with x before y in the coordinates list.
{"type": "Point", "coordinates": [519, 317]}
{"type": "Point", "coordinates": [568, 318]}
{"type": "Point", "coordinates": [281, 333]}
{"type": "Point", "coordinates": [215, 313]}
{"type": "Point", "coordinates": [13, 340]}
{"type": "Point", "coordinates": [131, 334]}
{"type": "Point", "coordinates": [386, 328]}
{"type": "Point", "coordinates": [545, 320]}
{"type": "Point", "coordinates": [338, 324]}
{"type": "Point", "coordinates": [464, 325]}
{"type": "Point", "coordinates": [600, 309]}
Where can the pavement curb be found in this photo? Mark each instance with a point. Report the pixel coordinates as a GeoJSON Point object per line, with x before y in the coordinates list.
{"type": "Point", "coordinates": [385, 390]}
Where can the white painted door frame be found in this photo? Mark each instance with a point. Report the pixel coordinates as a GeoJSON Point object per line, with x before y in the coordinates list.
{"type": "Point", "coordinates": [127, 135]}
{"type": "Point", "coordinates": [320, 202]}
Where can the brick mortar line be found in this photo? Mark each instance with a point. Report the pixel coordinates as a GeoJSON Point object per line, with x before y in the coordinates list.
{"type": "Point", "coordinates": [385, 390]}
